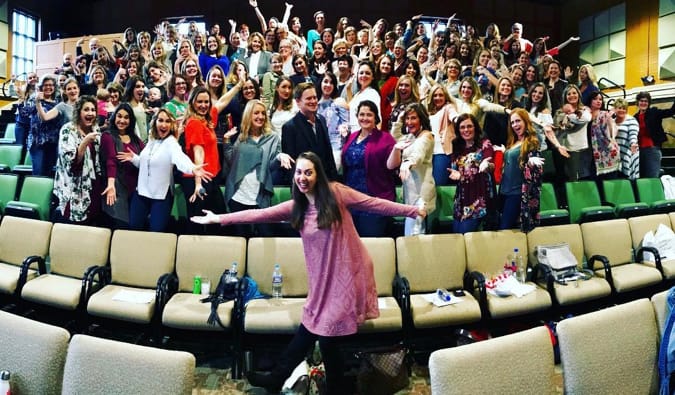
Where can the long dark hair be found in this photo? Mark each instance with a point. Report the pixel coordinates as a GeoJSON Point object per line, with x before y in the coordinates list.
{"type": "Point", "coordinates": [329, 212]}
{"type": "Point", "coordinates": [135, 140]}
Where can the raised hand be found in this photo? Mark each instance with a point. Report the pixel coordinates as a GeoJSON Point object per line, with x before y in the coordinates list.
{"type": "Point", "coordinates": [208, 218]}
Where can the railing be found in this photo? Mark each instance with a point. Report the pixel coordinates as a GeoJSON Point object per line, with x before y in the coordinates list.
{"type": "Point", "coordinates": [612, 85]}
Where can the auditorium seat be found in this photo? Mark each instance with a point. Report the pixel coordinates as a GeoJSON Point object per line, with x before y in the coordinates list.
{"type": "Point", "coordinates": [650, 191]}
{"type": "Point", "coordinates": [520, 363]}
{"type": "Point", "coordinates": [74, 251]}
{"type": "Point", "coordinates": [639, 226]}
{"type": "Point", "coordinates": [23, 243]}
{"type": "Point", "coordinates": [608, 246]}
{"type": "Point", "coordinates": [584, 202]}
{"type": "Point", "coordinates": [611, 351]}
{"type": "Point", "coordinates": [564, 295]}
{"type": "Point", "coordinates": [34, 353]}
{"type": "Point", "coordinates": [100, 366]}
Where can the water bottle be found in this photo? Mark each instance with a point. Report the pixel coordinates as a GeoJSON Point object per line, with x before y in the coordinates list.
{"type": "Point", "coordinates": [418, 227]}
{"type": "Point", "coordinates": [520, 266]}
{"type": "Point", "coordinates": [232, 277]}
{"type": "Point", "coordinates": [4, 383]}
{"type": "Point", "coordinates": [277, 282]}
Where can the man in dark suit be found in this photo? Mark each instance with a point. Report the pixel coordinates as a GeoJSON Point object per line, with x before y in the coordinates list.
{"type": "Point", "coordinates": [307, 131]}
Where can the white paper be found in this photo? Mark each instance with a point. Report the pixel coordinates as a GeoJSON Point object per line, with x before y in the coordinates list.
{"type": "Point", "coordinates": [438, 302]}
{"type": "Point", "coordinates": [511, 286]}
{"type": "Point", "coordinates": [134, 297]}
{"type": "Point", "coordinates": [381, 303]}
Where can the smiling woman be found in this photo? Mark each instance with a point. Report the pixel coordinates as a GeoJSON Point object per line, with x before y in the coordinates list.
{"type": "Point", "coordinates": [77, 184]}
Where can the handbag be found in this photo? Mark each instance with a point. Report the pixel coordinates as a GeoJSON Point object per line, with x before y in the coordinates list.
{"type": "Point", "coordinates": [561, 262]}
{"type": "Point", "coordinates": [383, 371]}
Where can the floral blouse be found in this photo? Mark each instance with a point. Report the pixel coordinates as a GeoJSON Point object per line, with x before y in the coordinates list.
{"type": "Point", "coordinates": [475, 191]}
{"type": "Point", "coordinates": [335, 115]}
{"type": "Point", "coordinates": [74, 182]}
{"type": "Point", "coordinates": [605, 148]}
{"type": "Point", "coordinates": [43, 132]}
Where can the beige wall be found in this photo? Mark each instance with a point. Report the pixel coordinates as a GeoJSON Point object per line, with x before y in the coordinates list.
{"type": "Point", "coordinates": [49, 54]}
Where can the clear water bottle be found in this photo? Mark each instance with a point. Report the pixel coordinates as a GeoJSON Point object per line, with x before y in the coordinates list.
{"type": "Point", "coordinates": [232, 277]}
{"type": "Point", "coordinates": [418, 227]}
{"type": "Point", "coordinates": [520, 266]}
{"type": "Point", "coordinates": [4, 383]}
{"type": "Point", "coordinates": [277, 282]}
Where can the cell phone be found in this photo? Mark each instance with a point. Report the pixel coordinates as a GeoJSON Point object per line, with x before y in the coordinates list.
{"type": "Point", "coordinates": [458, 292]}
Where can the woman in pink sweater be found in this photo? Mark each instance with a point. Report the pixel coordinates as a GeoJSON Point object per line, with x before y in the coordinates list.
{"type": "Point", "coordinates": [342, 291]}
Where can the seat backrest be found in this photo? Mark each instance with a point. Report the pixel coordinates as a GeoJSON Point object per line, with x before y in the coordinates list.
{"type": "Point", "coordinates": [568, 233]}
{"type": "Point", "coordinates": [618, 191]}
{"type": "Point", "coordinates": [208, 256]}
{"type": "Point", "coordinates": [382, 251]}
{"type": "Point", "coordinates": [649, 190]}
{"type": "Point", "coordinates": [8, 184]}
{"type": "Point", "coordinates": [10, 155]}
{"type": "Point", "coordinates": [138, 259]}
{"type": "Point", "coordinates": [581, 194]}
{"type": "Point", "coordinates": [281, 194]}
{"type": "Point", "coordinates": [660, 304]}
{"type": "Point", "coordinates": [611, 351]}
{"type": "Point", "coordinates": [34, 353]}
{"type": "Point", "coordinates": [10, 131]}
{"type": "Point", "coordinates": [672, 220]}
{"type": "Point", "coordinates": [487, 251]}
{"type": "Point", "coordinates": [610, 238]}
{"type": "Point", "coordinates": [519, 363]}
{"type": "Point", "coordinates": [101, 366]}
{"type": "Point", "coordinates": [639, 226]}
{"type": "Point", "coordinates": [264, 252]}
{"type": "Point", "coordinates": [38, 190]}
{"type": "Point", "coordinates": [23, 237]}
{"type": "Point", "coordinates": [430, 262]}
{"type": "Point", "coordinates": [74, 248]}
{"type": "Point", "coordinates": [548, 200]}
{"type": "Point", "coordinates": [445, 200]}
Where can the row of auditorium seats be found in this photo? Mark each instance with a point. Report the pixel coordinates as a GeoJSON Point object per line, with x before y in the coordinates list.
{"type": "Point", "coordinates": [610, 351]}
{"type": "Point", "coordinates": [146, 278]}
{"type": "Point", "coordinates": [44, 359]}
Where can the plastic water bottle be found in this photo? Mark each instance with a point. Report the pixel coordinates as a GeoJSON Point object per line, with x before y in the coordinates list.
{"type": "Point", "coordinates": [232, 278]}
{"type": "Point", "coordinates": [277, 282]}
{"type": "Point", "coordinates": [4, 383]}
{"type": "Point", "coordinates": [418, 227]}
{"type": "Point", "coordinates": [520, 267]}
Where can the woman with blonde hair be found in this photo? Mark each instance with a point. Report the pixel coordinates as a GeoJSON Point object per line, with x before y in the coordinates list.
{"type": "Point", "coordinates": [144, 41]}
{"type": "Point", "coordinates": [627, 138]}
{"type": "Point", "coordinates": [520, 186]}
{"type": "Point", "coordinates": [442, 113]}
{"type": "Point", "coordinates": [571, 121]}
{"type": "Point", "coordinates": [252, 160]}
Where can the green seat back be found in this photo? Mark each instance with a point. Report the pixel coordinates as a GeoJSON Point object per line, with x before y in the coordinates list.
{"type": "Point", "coordinates": [445, 202]}
{"type": "Point", "coordinates": [548, 200]}
{"type": "Point", "coordinates": [179, 207]}
{"type": "Point", "coordinates": [650, 190]}
{"type": "Point", "coordinates": [38, 191]}
{"type": "Point", "coordinates": [618, 192]}
{"type": "Point", "coordinates": [7, 189]}
{"type": "Point", "coordinates": [10, 155]}
{"type": "Point", "coordinates": [10, 132]}
{"type": "Point", "coordinates": [281, 194]}
{"type": "Point", "coordinates": [581, 195]}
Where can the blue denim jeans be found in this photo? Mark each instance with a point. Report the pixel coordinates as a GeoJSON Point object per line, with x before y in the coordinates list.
{"type": "Point", "coordinates": [468, 225]}
{"type": "Point", "coordinates": [440, 164]}
{"type": "Point", "coordinates": [44, 159]}
{"type": "Point", "coordinates": [158, 209]}
{"type": "Point", "coordinates": [650, 162]}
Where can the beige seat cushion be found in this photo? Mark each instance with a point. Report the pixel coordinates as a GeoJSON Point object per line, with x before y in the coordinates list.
{"type": "Point", "coordinates": [54, 290]}
{"type": "Point", "coordinates": [9, 277]}
{"type": "Point", "coordinates": [519, 364]}
{"type": "Point", "coordinates": [101, 304]}
{"type": "Point", "coordinates": [581, 291]}
{"type": "Point", "coordinates": [390, 319]}
{"type": "Point", "coordinates": [667, 265]}
{"type": "Point", "coordinates": [611, 351]}
{"type": "Point", "coordinates": [21, 238]}
{"type": "Point", "coordinates": [186, 311]}
{"type": "Point", "coordinates": [510, 306]}
{"type": "Point", "coordinates": [100, 366]}
{"type": "Point", "coordinates": [426, 315]}
{"type": "Point", "coordinates": [34, 353]}
{"type": "Point", "coordinates": [632, 276]}
{"type": "Point", "coordinates": [274, 316]}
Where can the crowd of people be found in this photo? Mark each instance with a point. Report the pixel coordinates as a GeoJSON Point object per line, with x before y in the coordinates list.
{"type": "Point", "coordinates": [381, 105]}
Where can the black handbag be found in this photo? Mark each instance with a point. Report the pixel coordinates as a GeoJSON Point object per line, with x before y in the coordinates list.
{"type": "Point", "coordinates": [383, 371]}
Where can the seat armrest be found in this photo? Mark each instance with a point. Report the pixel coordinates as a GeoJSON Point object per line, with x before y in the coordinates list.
{"type": "Point", "coordinates": [25, 266]}
{"type": "Point", "coordinates": [102, 273]}
{"type": "Point", "coordinates": [475, 281]}
{"type": "Point", "coordinates": [606, 267]}
{"type": "Point", "coordinates": [401, 287]}
{"type": "Point", "coordinates": [87, 284]}
{"type": "Point", "coordinates": [657, 257]}
{"type": "Point", "coordinates": [161, 295]}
